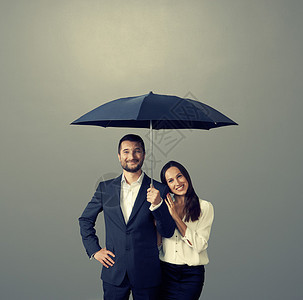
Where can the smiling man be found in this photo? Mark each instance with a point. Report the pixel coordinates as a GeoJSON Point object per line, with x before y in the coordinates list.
{"type": "Point", "coordinates": [131, 209]}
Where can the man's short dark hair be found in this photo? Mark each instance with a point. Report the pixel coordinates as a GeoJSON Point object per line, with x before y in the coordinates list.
{"type": "Point", "coordinates": [132, 138]}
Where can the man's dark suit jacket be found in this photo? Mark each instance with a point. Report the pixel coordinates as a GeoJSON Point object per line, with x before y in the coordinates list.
{"type": "Point", "coordinates": [135, 243]}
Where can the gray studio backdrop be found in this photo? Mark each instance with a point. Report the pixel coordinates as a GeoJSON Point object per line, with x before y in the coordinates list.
{"type": "Point", "coordinates": [60, 59]}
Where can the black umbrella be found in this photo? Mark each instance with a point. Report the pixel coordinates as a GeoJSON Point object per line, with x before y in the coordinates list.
{"type": "Point", "coordinates": [155, 112]}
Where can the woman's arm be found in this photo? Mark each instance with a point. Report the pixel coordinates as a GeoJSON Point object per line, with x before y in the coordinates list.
{"type": "Point", "coordinates": [180, 224]}
{"type": "Point", "coordinates": [199, 237]}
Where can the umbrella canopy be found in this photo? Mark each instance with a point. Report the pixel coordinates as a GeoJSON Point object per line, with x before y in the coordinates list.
{"type": "Point", "coordinates": [160, 111]}
{"type": "Point", "coordinates": [155, 112]}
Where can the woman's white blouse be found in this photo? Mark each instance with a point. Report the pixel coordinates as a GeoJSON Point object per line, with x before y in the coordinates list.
{"type": "Point", "coordinates": [177, 249]}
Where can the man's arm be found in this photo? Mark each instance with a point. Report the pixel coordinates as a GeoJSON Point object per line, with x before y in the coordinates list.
{"type": "Point", "coordinates": [87, 223]}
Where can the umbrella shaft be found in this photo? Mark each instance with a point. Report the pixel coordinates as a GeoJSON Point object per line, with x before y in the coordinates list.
{"type": "Point", "coordinates": [151, 151]}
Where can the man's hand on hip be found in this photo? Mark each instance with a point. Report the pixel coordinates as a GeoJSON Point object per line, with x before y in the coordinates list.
{"type": "Point", "coordinates": [103, 256]}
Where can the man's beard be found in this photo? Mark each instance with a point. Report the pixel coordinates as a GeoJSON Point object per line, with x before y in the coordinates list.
{"type": "Point", "coordinates": [133, 170]}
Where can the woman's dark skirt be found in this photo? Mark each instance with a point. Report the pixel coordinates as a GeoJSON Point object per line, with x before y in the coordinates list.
{"type": "Point", "coordinates": [181, 282]}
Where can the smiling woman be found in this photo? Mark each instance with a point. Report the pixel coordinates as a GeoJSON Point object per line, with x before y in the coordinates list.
{"type": "Point", "coordinates": [184, 255]}
{"type": "Point", "coordinates": [176, 181]}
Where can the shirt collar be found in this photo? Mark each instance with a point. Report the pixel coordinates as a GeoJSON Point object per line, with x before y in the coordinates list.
{"type": "Point", "coordinates": [139, 180]}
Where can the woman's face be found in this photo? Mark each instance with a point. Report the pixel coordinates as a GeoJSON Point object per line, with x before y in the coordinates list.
{"type": "Point", "coordinates": [177, 183]}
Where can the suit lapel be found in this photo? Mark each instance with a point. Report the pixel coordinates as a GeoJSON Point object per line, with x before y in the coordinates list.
{"type": "Point", "coordinates": [116, 190]}
{"type": "Point", "coordinates": [141, 197]}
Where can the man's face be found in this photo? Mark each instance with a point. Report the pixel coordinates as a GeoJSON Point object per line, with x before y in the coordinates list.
{"type": "Point", "coordinates": [131, 156]}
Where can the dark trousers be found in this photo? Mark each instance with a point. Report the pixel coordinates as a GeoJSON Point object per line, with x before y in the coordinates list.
{"type": "Point", "coordinates": [122, 292]}
{"type": "Point", "coordinates": [181, 282]}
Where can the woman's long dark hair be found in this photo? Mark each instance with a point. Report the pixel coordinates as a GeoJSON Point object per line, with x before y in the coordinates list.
{"type": "Point", "coordinates": [192, 206]}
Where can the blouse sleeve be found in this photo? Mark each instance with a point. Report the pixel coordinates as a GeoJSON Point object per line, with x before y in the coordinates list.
{"type": "Point", "coordinates": [198, 238]}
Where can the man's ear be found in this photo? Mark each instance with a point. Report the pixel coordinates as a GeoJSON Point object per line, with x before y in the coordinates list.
{"type": "Point", "coordinates": [119, 156]}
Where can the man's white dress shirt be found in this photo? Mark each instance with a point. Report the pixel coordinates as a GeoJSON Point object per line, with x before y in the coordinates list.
{"type": "Point", "coordinates": [129, 193]}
